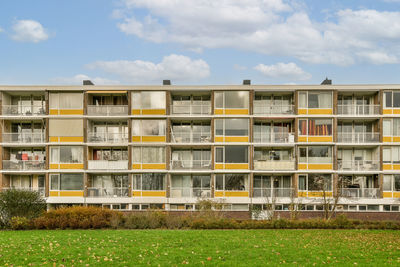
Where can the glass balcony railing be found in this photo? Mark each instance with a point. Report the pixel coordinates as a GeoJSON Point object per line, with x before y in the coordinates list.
{"type": "Point", "coordinates": [360, 192]}
{"type": "Point", "coordinates": [107, 110]}
{"type": "Point", "coordinates": [107, 192]}
{"type": "Point", "coordinates": [263, 109]}
{"type": "Point", "coordinates": [24, 165]}
{"type": "Point", "coordinates": [273, 192]}
{"type": "Point", "coordinates": [190, 137]}
{"type": "Point", "coordinates": [358, 165]}
{"type": "Point", "coordinates": [190, 164]}
{"type": "Point", "coordinates": [358, 137]}
{"type": "Point", "coordinates": [274, 165]}
{"type": "Point", "coordinates": [22, 138]}
{"type": "Point", "coordinates": [358, 109]}
{"type": "Point", "coordinates": [18, 110]}
{"type": "Point", "coordinates": [180, 192]}
{"type": "Point", "coordinates": [96, 137]}
{"type": "Point", "coordinates": [107, 164]}
{"type": "Point", "coordinates": [273, 138]}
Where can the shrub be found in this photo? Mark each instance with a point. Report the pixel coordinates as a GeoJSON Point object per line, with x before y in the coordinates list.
{"type": "Point", "coordinates": [20, 203]}
{"type": "Point", "coordinates": [20, 223]}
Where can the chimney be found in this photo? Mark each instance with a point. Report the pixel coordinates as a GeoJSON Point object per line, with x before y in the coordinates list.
{"type": "Point", "coordinates": [87, 82]}
{"type": "Point", "coordinates": [166, 82]}
{"type": "Point", "coordinates": [246, 82]}
{"type": "Point", "coordinates": [326, 82]}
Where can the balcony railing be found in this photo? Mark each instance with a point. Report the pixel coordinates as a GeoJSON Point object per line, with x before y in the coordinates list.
{"type": "Point", "coordinates": [262, 109]}
{"type": "Point", "coordinates": [358, 165]}
{"type": "Point", "coordinates": [18, 110]}
{"type": "Point", "coordinates": [108, 192]}
{"type": "Point", "coordinates": [274, 165]}
{"type": "Point", "coordinates": [24, 138]}
{"type": "Point", "coordinates": [273, 192]}
{"type": "Point", "coordinates": [107, 164]}
{"type": "Point", "coordinates": [274, 138]}
{"type": "Point", "coordinates": [360, 192]}
{"type": "Point", "coordinates": [358, 109]}
{"type": "Point", "coordinates": [190, 164]}
{"type": "Point", "coordinates": [40, 190]}
{"type": "Point", "coordinates": [358, 137]}
{"type": "Point", "coordinates": [94, 137]}
{"type": "Point", "coordinates": [191, 109]}
{"type": "Point", "coordinates": [24, 165]}
{"type": "Point", "coordinates": [191, 137]}
{"type": "Point", "coordinates": [107, 110]}
{"type": "Point", "coordinates": [180, 192]}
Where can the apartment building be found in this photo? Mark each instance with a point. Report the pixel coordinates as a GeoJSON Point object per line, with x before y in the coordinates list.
{"type": "Point", "coordinates": [166, 147]}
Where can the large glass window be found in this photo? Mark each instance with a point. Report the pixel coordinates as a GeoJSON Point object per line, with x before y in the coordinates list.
{"type": "Point", "coordinates": [148, 181]}
{"type": "Point", "coordinates": [391, 99]}
{"type": "Point", "coordinates": [315, 154]}
{"type": "Point", "coordinates": [66, 100]}
{"type": "Point", "coordinates": [391, 154]}
{"type": "Point", "coordinates": [316, 127]}
{"type": "Point", "coordinates": [391, 183]}
{"type": "Point", "coordinates": [148, 127]}
{"type": "Point", "coordinates": [391, 127]}
{"type": "Point", "coordinates": [66, 181]}
{"type": "Point", "coordinates": [231, 182]}
{"type": "Point", "coordinates": [66, 154]}
{"type": "Point", "coordinates": [232, 99]}
{"type": "Point", "coordinates": [231, 154]}
{"type": "Point", "coordinates": [271, 154]}
{"type": "Point", "coordinates": [315, 182]}
{"type": "Point", "coordinates": [110, 154]}
{"type": "Point", "coordinates": [315, 99]}
{"type": "Point", "coordinates": [232, 127]}
{"type": "Point", "coordinates": [148, 100]}
{"type": "Point", "coordinates": [150, 154]}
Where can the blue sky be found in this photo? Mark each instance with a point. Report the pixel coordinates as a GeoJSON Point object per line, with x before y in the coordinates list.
{"type": "Point", "coordinates": [199, 42]}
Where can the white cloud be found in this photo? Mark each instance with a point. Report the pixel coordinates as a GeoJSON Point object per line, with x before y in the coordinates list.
{"type": "Point", "coordinates": [78, 79]}
{"type": "Point", "coordinates": [283, 70]}
{"type": "Point", "coordinates": [29, 31]}
{"type": "Point", "coordinates": [276, 27]}
{"type": "Point", "coordinates": [174, 67]}
{"type": "Point", "coordinates": [239, 67]}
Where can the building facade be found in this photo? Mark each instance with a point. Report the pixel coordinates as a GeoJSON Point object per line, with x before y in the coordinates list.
{"type": "Point", "coordinates": [166, 147]}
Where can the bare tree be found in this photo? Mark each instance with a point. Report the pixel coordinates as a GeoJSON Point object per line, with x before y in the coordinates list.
{"type": "Point", "coordinates": [295, 205]}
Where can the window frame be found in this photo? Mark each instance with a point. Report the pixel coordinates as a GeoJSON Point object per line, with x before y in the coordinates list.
{"type": "Point", "coordinates": [307, 93]}
{"type": "Point", "coordinates": [224, 128]}
{"type": "Point", "coordinates": [224, 155]}
{"type": "Point", "coordinates": [52, 148]}
{"type": "Point", "coordinates": [224, 106]}
{"type": "Point", "coordinates": [245, 185]}
{"type": "Point", "coordinates": [141, 154]}
{"type": "Point", "coordinates": [307, 120]}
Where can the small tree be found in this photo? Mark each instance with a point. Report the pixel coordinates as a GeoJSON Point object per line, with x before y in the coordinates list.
{"type": "Point", "coordinates": [295, 205]}
{"type": "Point", "coordinates": [20, 203]}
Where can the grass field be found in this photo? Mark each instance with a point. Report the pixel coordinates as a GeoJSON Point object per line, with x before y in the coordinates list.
{"type": "Point", "coordinates": [197, 248]}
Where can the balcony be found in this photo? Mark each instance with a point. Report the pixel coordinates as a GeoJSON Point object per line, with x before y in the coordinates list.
{"type": "Point", "coordinates": [191, 137]}
{"type": "Point", "coordinates": [262, 109]}
{"type": "Point", "coordinates": [24, 165]}
{"type": "Point", "coordinates": [190, 192]}
{"type": "Point", "coordinates": [274, 165]}
{"type": "Point", "coordinates": [107, 164]}
{"type": "Point", "coordinates": [191, 164]}
{"type": "Point", "coordinates": [273, 192]}
{"type": "Point", "coordinates": [40, 190]}
{"type": "Point", "coordinates": [358, 109]}
{"type": "Point", "coordinates": [18, 110]}
{"type": "Point", "coordinates": [107, 110]}
{"type": "Point", "coordinates": [358, 165]}
{"type": "Point", "coordinates": [274, 138]}
{"type": "Point", "coordinates": [360, 192]}
{"type": "Point", "coordinates": [358, 137]}
{"type": "Point", "coordinates": [96, 137]}
{"type": "Point", "coordinates": [23, 138]}
{"type": "Point", "coordinates": [107, 192]}
{"type": "Point", "coordinates": [191, 109]}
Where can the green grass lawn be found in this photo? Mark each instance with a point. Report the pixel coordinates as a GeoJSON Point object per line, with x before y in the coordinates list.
{"type": "Point", "coordinates": [197, 248]}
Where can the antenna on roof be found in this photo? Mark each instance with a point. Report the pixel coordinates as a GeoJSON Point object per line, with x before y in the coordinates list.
{"type": "Point", "coordinates": [326, 81]}
{"type": "Point", "coordinates": [87, 82]}
{"type": "Point", "coordinates": [246, 82]}
{"type": "Point", "coordinates": [166, 82]}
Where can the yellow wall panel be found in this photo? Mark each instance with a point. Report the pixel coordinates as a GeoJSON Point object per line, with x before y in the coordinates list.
{"type": "Point", "coordinates": [396, 138]}
{"type": "Point", "coordinates": [396, 194]}
{"type": "Point", "coordinates": [396, 111]}
{"type": "Point", "coordinates": [135, 111]}
{"type": "Point", "coordinates": [54, 139]}
{"type": "Point", "coordinates": [136, 166]}
{"type": "Point", "coordinates": [135, 138]}
{"type": "Point", "coordinates": [53, 193]}
{"type": "Point", "coordinates": [72, 166]}
{"type": "Point", "coordinates": [236, 139]}
{"type": "Point", "coordinates": [387, 111]}
{"type": "Point", "coordinates": [219, 139]}
{"type": "Point", "coordinates": [319, 194]}
{"type": "Point", "coordinates": [320, 111]}
{"type": "Point", "coordinates": [387, 167]}
{"type": "Point", "coordinates": [302, 139]}
{"type": "Point", "coordinates": [236, 166]}
{"type": "Point", "coordinates": [153, 138]}
{"type": "Point", "coordinates": [136, 193]}
{"type": "Point", "coordinates": [71, 193]}
{"type": "Point", "coordinates": [219, 166]}
{"type": "Point", "coordinates": [232, 111]}
{"type": "Point", "coordinates": [236, 194]}
{"type": "Point", "coordinates": [53, 112]}
{"type": "Point", "coordinates": [302, 166]}
{"type": "Point", "coordinates": [396, 166]}
{"type": "Point", "coordinates": [320, 166]}
{"type": "Point", "coordinates": [218, 111]}
{"type": "Point", "coordinates": [387, 194]}
{"type": "Point", "coordinates": [219, 193]}
{"type": "Point", "coordinates": [74, 139]}
{"type": "Point", "coordinates": [320, 139]}
{"type": "Point", "coordinates": [153, 112]}
{"type": "Point", "coordinates": [153, 194]}
{"type": "Point", "coordinates": [54, 166]}
{"type": "Point", "coordinates": [302, 194]}
{"type": "Point", "coordinates": [302, 111]}
{"type": "Point", "coordinates": [153, 166]}
{"type": "Point", "coordinates": [71, 111]}
{"type": "Point", "coordinates": [387, 139]}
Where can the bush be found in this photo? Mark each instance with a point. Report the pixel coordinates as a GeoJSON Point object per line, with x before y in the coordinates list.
{"type": "Point", "coordinates": [78, 218]}
{"type": "Point", "coordinates": [20, 223]}
{"type": "Point", "coordinates": [20, 203]}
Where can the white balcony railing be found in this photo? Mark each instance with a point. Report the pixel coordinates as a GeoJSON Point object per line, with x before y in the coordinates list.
{"type": "Point", "coordinates": [274, 165]}
{"type": "Point", "coordinates": [107, 192]}
{"type": "Point", "coordinates": [358, 137]}
{"type": "Point", "coordinates": [358, 165]}
{"type": "Point", "coordinates": [360, 192]}
{"type": "Point", "coordinates": [358, 109]}
{"type": "Point", "coordinates": [107, 164]}
{"type": "Point", "coordinates": [24, 165]}
{"type": "Point", "coordinates": [191, 137]}
{"type": "Point", "coordinates": [107, 110]}
{"type": "Point", "coordinates": [180, 192]}
{"type": "Point", "coordinates": [23, 138]}
{"type": "Point", "coordinates": [191, 109]}
{"type": "Point", "coordinates": [190, 164]}
{"type": "Point", "coordinates": [262, 109]}
{"type": "Point", "coordinates": [18, 110]}
{"type": "Point", "coordinates": [40, 190]}
{"type": "Point", "coordinates": [273, 192]}
{"type": "Point", "coordinates": [273, 138]}
{"type": "Point", "coordinates": [95, 137]}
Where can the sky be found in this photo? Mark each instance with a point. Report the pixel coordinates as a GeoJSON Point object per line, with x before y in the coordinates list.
{"type": "Point", "coordinates": [140, 42]}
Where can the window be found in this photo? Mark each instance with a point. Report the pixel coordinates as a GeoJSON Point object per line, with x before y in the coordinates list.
{"type": "Point", "coordinates": [315, 182]}
{"type": "Point", "coordinates": [66, 101]}
{"type": "Point", "coordinates": [315, 154]}
{"type": "Point", "coordinates": [317, 127]}
{"type": "Point", "coordinates": [231, 182]}
{"type": "Point", "coordinates": [231, 154]}
{"type": "Point", "coordinates": [66, 154]}
{"type": "Point", "coordinates": [391, 99]}
{"type": "Point", "coordinates": [150, 154]}
{"type": "Point", "coordinates": [148, 100]}
{"type": "Point", "coordinates": [232, 127]}
{"type": "Point", "coordinates": [315, 100]}
{"type": "Point", "coordinates": [391, 127]}
{"type": "Point", "coordinates": [232, 99]}
{"type": "Point", "coordinates": [391, 154]}
{"type": "Point", "coordinates": [110, 154]}
{"type": "Point", "coordinates": [148, 181]}
{"type": "Point", "coordinates": [271, 154]}
{"type": "Point", "coordinates": [65, 127]}
{"type": "Point", "coordinates": [66, 181]}
{"type": "Point", "coordinates": [391, 183]}
{"type": "Point", "coordinates": [148, 127]}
